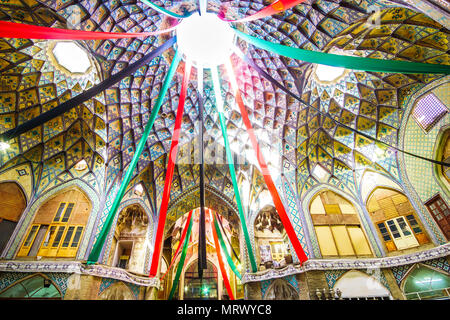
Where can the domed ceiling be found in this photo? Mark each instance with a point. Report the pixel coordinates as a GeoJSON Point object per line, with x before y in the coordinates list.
{"type": "Point", "coordinates": [106, 129]}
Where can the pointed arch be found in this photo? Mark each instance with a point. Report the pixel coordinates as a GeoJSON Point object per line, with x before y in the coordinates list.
{"type": "Point", "coordinates": [281, 289]}
{"type": "Point", "coordinates": [357, 284]}
{"type": "Point", "coordinates": [396, 219]}
{"type": "Point", "coordinates": [25, 221]}
{"type": "Point", "coordinates": [271, 241]}
{"type": "Point", "coordinates": [131, 237]}
{"type": "Point", "coordinates": [422, 282]}
{"type": "Point", "coordinates": [59, 223]}
{"type": "Point", "coordinates": [371, 179]}
{"type": "Point", "coordinates": [13, 203]}
{"type": "Point", "coordinates": [117, 291]}
{"type": "Point", "coordinates": [441, 152]}
{"type": "Point", "coordinates": [365, 223]}
{"type": "Point", "coordinates": [35, 286]}
{"type": "Point", "coordinates": [337, 226]}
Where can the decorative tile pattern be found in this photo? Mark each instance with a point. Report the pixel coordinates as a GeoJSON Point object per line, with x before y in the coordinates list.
{"type": "Point", "coordinates": [332, 276]}
{"type": "Point", "coordinates": [414, 140]}
{"type": "Point", "coordinates": [70, 267]}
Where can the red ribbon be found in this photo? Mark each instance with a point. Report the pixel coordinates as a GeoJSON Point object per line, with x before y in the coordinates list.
{"type": "Point", "coordinates": [221, 265]}
{"type": "Point", "coordinates": [269, 182]}
{"type": "Point", "coordinates": [274, 8]}
{"type": "Point", "coordinates": [180, 244]}
{"type": "Point", "coordinates": [169, 173]}
{"type": "Point", "coordinates": [26, 31]}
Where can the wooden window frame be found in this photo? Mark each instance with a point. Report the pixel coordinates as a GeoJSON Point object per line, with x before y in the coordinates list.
{"type": "Point", "coordinates": [355, 254]}
{"type": "Point", "coordinates": [57, 228]}
{"type": "Point", "coordinates": [441, 211]}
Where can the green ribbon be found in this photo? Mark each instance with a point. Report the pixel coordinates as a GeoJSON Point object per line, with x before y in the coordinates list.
{"type": "Point", "coordinates": [181, 262]}
{"type": "Point", "coordinates": [219, 104]}
{"type": "Point", "coordinates": [97, 248]}
{"type": "Point", "coordinates": [224, 248]}
{"type": "Point", "coordinates": [165, 11]}
{"type": "Point", "coordinates": [348, 62]}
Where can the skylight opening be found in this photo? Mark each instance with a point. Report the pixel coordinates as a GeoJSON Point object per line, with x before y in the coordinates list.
{"type": "Point", "coordinates": [4, 146]}
{"type": "Point", "coordinates": [206, 40]}
{"type": "Point", "coordinates": [81, 165]}
{"type": "Point", "coordinates": [320, 173]}
{"type": "Point", "coordinates": [139, 189]}
{"type": "Point", "coordinates": [72, 57]}
{"type": "Point", "coordinates": [428, 111]}
{"type": "Point", "coordinates": [328, 73]}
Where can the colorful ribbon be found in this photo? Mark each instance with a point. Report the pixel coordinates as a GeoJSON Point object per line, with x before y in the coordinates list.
{"type": "Point", "coordinates": [217, 233]}
{"type": "Point", "coordinates": [282, 87]}
{"type": "Point", "coordinates": [169, 173]}
{"type": "Point", "coordinates": [86, 95]}
{"type": "Point", "coordinates": [181, 262]}
{"type": "Point", "coordinates": [265, 170]}
{"type": "Point", "coordinates": [97, 248]}
{"type": "Point", "coordinates": [349, 62]}
{"type": "Point", "coordinates": [219, 105]}
{"type": "Point", "coordinates": [165, 11]}
{"type": "Point", "coordinates": [183, 236]}
{"type": "Point", "coordinates": [272, 9]}
{"type": "Point", "coordinates": [222, 229]}
{"type": "Point", "coordinates": [26, 31]}
{"type": "Point", "coordinates": [222, 267]}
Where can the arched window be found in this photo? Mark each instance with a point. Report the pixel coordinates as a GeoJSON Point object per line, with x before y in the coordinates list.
{"type": "Point", "coordinates": [396, 220]}
{"type": "Point", "coordinates": [337, 226]}
{"type": "Point", "coordinates": [58, 226]}
{"type": "Point", "coordinates": [34, 287]}
{"type": "Point", "coordinates": [12, 203]}
{"type": "Point", "coordinates": [424, 283]}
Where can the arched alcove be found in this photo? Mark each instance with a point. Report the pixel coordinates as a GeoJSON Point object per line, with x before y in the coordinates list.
{"type": "Point", "coordinates": [355, 284]}
{"type": "Point", "coordinates": [58, 226]}
{"type": "Point", "coordinates": [36, 286]}
{"type": "Point", "coordinates": [13, 203]}
{"type": "Point", "coordinates": [117, 291]}
{"type": "Point", "coordinates": [424, 283]}
{"type": "Point", "coordinates": [443, 154]}
{"type": "Point", "coordinates": [437, 205]}
{"type": "Point", "coordinates": [338, 226]}
{"type": "Point", "coordinates": [272, 244]}
{"type": "Point", "coordinates": [173, 251]}
{"type": "Point", "coordinates": [396, 220]}
{"type": "Point", "coordinates": [129, 245]}
{"type": "Point", "coordinates": [280, 289]}
{"type": "Point", "coordinates": [195, 288]}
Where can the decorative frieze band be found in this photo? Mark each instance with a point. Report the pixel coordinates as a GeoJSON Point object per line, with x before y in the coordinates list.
{"type": "Point", "coordinates": [313, 264]}
{"type": "Point", "coordinates": [347, 264]}
{"type": "Point", "coordinates": [80, 268]}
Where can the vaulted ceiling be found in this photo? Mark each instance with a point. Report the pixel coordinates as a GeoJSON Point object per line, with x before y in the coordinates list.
{"type": "Point", "coordinates": [106, 129]}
